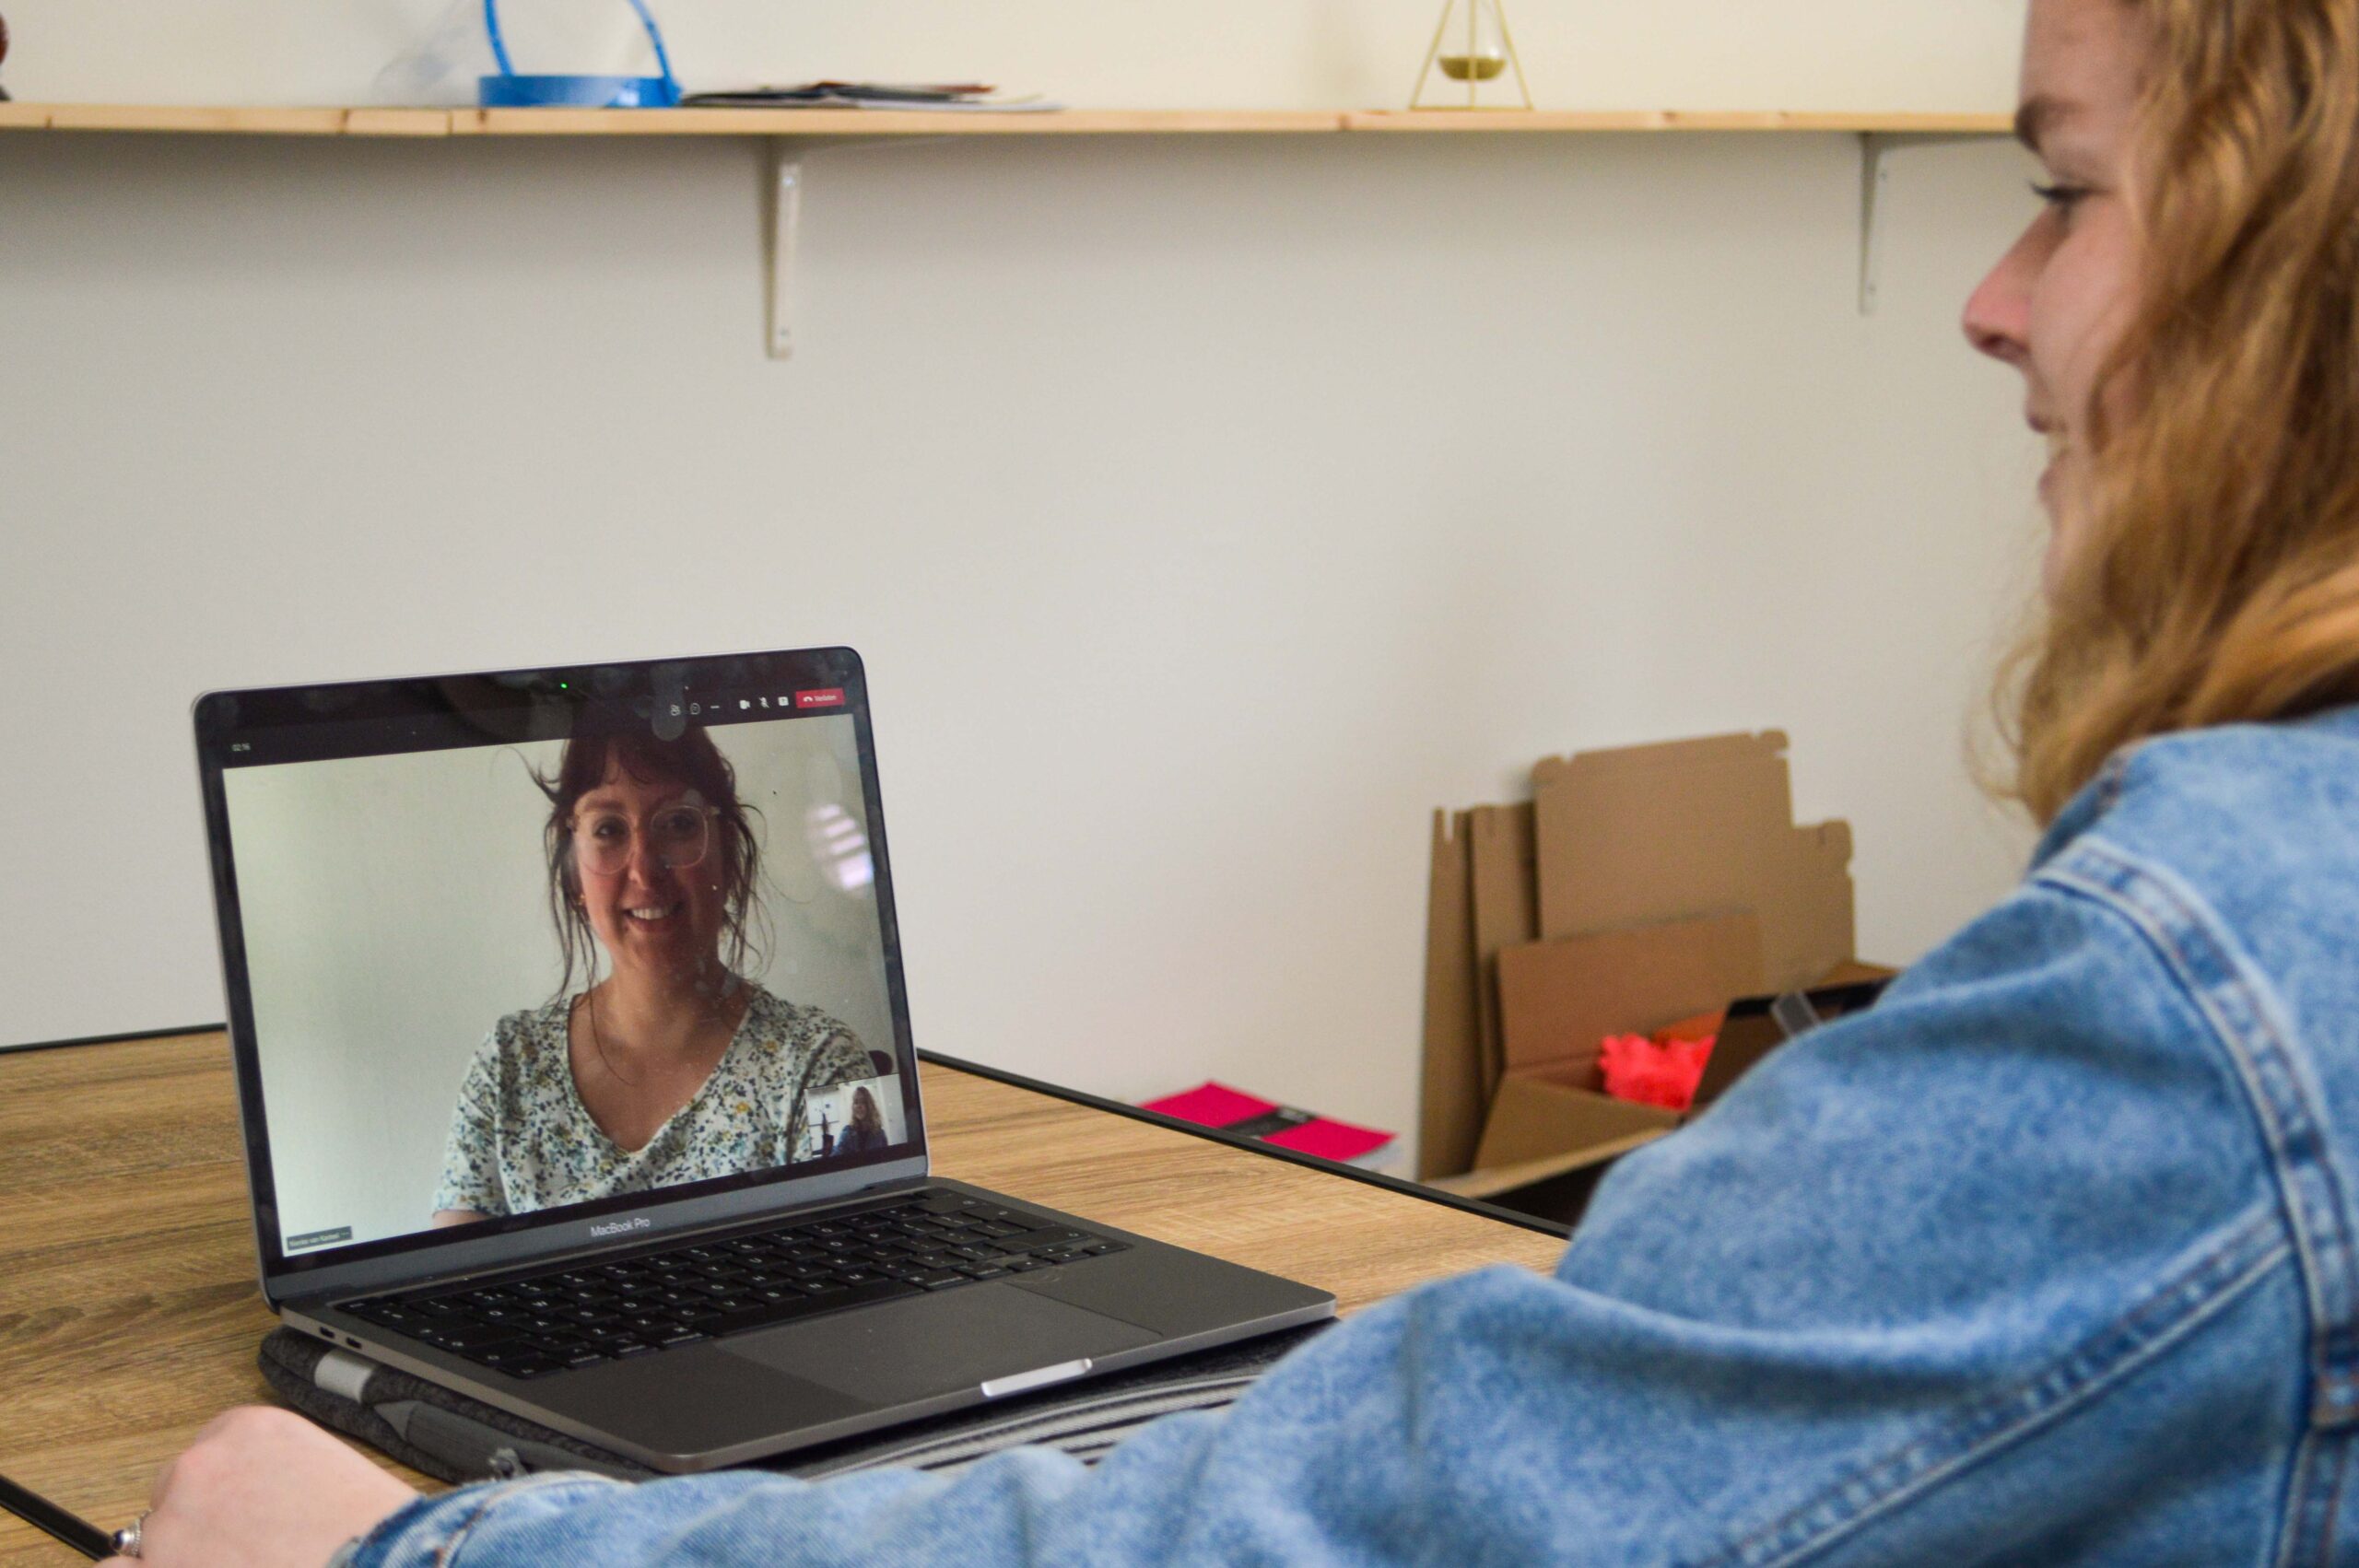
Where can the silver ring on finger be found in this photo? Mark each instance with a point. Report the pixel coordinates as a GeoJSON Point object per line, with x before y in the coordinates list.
{"type": "Point", "coordinates": [127, 1540]}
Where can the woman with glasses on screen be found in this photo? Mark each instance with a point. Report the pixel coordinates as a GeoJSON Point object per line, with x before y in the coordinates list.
{"type": "Point", "coordinates": [2051, 1256]}
{"type": "Point", "coordinates": [673, 1066]}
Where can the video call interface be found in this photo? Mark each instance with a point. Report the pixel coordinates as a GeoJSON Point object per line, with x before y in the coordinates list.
{"type": "Point", "coordinates": [498, 979]}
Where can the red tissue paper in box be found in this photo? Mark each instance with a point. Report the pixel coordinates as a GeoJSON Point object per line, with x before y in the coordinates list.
{"type": "Point", "coordinates": [1653, 1073]}
{"type": "Point", "coordinates": [1248, 1116]}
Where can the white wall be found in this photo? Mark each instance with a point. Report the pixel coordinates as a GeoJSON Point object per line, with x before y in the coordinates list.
{"type": "Point", "coordinates": [1208, 511]}
{"type": "Point", "coordinates": [1861, 54]}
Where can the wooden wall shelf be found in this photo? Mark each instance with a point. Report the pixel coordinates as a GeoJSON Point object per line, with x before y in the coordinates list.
{"type": "Point", "coordinates": [834, 122]}
{"type": "Point", "coordinates": [791, 135]}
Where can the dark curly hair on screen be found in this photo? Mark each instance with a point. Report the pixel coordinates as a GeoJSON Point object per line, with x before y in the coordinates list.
{"type": "Point", "coordinates": [692, 760]}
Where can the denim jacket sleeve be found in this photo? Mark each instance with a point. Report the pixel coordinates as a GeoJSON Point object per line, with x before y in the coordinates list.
{"type": "Point", "coordinates": [1997, 1272]}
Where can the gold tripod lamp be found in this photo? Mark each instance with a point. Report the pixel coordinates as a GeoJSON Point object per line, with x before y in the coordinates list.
{"type": "Point", "coordinates": [1471, 44]}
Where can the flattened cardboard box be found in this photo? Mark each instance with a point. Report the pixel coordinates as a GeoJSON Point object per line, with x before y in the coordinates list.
{"type": "Point", "coordinates": [1645, 834]}
{"type": "Point", "coordinates": [1482, 900]}
{"type": "Point", "coordinates": [1451, 1098]}
{"type": "Point", "coordinates": [1667, 879]}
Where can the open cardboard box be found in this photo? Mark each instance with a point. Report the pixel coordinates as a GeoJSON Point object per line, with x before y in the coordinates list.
{"type": "Point", "coordinates": [1641, 886]}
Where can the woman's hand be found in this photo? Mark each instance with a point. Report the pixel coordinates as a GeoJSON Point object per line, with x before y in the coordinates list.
{"type": "Point", "coordinates": [263, 1488]}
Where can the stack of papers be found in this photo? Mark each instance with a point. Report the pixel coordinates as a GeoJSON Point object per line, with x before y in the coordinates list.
{"type": "Point", "coordinates": [956, 97]}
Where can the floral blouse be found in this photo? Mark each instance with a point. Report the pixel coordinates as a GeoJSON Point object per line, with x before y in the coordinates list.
{"type": "Point", "coordinates": [522, 1140]}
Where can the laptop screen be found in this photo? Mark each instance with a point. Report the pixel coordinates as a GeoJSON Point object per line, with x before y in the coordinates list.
{"type": "Point", "coordinates": [509, 947]}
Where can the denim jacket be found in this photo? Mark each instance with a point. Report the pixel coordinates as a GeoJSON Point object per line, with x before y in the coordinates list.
{"type": "Point", "coordinates": [2048, 1260]}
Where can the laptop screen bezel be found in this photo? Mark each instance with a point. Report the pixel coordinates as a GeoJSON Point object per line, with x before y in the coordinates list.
{"type": "Point", "coordinates": [386, 717]}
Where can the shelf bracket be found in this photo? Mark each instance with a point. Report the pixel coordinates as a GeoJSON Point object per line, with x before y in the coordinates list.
{"type": "Point", "coordinates": [782, 194]}
{"type": "Point", "coordinates": [1876, 174]}
{"type": "Point", "coordinates": [784, 157]}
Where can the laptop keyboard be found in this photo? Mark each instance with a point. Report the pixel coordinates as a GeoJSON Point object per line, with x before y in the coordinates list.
{"type": "Point", "coordinates": [532, 1325]}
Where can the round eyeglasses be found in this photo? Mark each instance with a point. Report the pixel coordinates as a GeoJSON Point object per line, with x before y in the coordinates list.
{"type": "Point", "coordinates": [678, 836]}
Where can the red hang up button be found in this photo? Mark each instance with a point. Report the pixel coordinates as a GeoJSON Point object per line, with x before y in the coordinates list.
{"type": "Point", "coordinates": [833, 697]}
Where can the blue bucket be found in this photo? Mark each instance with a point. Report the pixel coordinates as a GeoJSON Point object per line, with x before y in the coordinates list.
{"type": "Point", "coordinates": [509, 90]}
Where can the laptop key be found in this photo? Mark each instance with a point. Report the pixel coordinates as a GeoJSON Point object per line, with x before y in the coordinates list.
{"type": "Point", "coordinates": [769, 1314]}
{"type": "Point", "coordinates": [940, 1280]}
{"type": "Point", "coordinates": [393, 1317]}
{"type": "Point", "coordinates": [499, 1357]}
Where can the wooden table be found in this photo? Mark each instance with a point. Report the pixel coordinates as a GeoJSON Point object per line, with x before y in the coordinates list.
{"type": "Point", "coordinates": [130, 1312]}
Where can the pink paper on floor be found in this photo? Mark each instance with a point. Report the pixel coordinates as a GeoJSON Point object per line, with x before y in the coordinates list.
{"type": "Point", "coordinates": [1285, 1126]}
{"type": "Point", "coordinates": [1210, 1105]}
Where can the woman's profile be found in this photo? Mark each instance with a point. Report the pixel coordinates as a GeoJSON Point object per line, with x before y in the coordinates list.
{"type": "Point", "coordinates": [672, 1065]}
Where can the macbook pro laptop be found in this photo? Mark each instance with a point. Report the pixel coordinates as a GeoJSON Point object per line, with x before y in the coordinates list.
{"type": "Point", "coordinates": [576, 1072]}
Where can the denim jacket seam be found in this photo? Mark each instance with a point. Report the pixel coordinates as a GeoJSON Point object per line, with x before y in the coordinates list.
{"type": "Point", "coordinates": [2266, 1063]}
{"type": "Point", "coordinates": [2315, 1479]}
{"type": "Point", "coordinates": [446, 1548]}
{"type": "Point", "coordinates": [2248, 1250]}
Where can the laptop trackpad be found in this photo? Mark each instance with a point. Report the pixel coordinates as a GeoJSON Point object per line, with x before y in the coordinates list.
{"type": "Point", "coordinates": [939, 1344]}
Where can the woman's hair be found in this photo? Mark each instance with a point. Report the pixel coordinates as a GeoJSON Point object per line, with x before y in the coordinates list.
{"type": "Point", "coordinates": [864, 1114]}
{"type": "Point", "coordinates": [734, 856]}
{"type": "Point", "coordinates": [2213, 570]}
